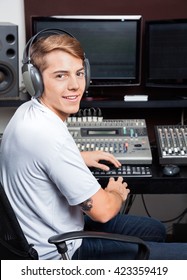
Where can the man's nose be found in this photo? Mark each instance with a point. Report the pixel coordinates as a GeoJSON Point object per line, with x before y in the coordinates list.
{"type": "Point", "coordinates": [73, 83]}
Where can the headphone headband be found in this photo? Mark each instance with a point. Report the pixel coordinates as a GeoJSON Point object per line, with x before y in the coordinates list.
{"type": "Point", "coordinates": [31, 75]}
{"type": "Point", "coordinates": [26, 56]}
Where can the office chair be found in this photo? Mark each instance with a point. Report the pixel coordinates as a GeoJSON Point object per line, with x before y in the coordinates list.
{"type": "Point", "coordinates": [14, 245]}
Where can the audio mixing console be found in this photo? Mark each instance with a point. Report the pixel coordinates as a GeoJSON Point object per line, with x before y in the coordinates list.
{"type": "Point", "coordinates": [127, 139]}
{"type": "Point", "coordinates": [172, 144]}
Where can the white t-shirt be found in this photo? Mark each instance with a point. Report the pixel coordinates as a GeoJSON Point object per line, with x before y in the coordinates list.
{"type": "Point", "coordinates": [44, 176]}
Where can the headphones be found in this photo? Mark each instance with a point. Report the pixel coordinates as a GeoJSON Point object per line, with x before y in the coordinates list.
{"type": "Point", "coordinates": [32, 77]}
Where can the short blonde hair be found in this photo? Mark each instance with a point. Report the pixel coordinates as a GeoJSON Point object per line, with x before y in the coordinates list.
{"type": "Point", "coordinates": [47, 44]}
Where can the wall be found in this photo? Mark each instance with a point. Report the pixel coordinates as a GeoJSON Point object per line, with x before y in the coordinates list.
{"type": "Point", "coordinates": [13, 11]}
{"type": "Point", "coordinates": [154, 9]}
{"type": "Point", "coordinates": [20, 11]}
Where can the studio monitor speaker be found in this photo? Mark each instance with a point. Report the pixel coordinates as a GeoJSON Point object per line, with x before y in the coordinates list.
{"type": "Point", "coordinates": [9, 69]}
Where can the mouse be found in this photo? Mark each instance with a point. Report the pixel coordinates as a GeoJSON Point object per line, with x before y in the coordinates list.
{"type": "Point", "coordinates": [171, 170]}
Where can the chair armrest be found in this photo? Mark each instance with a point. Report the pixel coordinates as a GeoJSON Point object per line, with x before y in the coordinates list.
{"type": "Point", "coordinates": [60, 241]}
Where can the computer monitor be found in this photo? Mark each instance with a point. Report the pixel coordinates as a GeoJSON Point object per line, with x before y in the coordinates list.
{"type": "Point", "coordinates": [112, 45]}
{"type": "Point", "coordinates": [166, 53]}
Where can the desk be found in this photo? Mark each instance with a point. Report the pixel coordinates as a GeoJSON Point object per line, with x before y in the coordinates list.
{"type": "Point", "coordinates": [158, 184]}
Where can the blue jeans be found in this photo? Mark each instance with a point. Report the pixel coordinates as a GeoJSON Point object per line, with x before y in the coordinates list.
{"type": "Point", "coordinates": [150, 230]}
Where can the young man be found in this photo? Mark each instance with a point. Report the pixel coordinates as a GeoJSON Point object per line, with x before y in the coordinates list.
{"type": "Point", "coordinates": [47, 179]}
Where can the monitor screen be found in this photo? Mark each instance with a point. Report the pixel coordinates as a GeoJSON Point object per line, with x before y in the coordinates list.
{"type": "Point", "coordinates": [112, 45]}
{"type": "Point", "coordinates": [166, 53]}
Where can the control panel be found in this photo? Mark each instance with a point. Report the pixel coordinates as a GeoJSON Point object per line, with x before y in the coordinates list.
{"type": "Point", "coordinates": [127, 139]}
{"type": "Point", "coordinates": [172, 144]}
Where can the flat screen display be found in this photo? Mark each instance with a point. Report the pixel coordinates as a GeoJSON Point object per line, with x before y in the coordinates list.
{"type": "Point", "coordinates": [112, 45]}
{"type": "Point", "coordinates": [166, 53]}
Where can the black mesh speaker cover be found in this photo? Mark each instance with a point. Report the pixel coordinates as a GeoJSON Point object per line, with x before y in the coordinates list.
{"type": "Point", "coordinates": [9, 69]}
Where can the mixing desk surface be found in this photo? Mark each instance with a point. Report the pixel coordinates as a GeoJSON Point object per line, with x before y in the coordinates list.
{"type": "Point", "coordinates": [127, 139]}
{"type": "Point", "coordinates": [172, 144]}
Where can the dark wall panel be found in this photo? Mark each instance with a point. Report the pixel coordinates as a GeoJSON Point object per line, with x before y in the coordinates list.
{"type": "Point", "coordinates": [149, 9]}
{"type": "Point", "coordinates": [154, 9]}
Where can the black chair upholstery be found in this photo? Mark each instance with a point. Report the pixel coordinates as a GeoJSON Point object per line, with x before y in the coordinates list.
{"type": "Point", "coordinates": [14, 245]}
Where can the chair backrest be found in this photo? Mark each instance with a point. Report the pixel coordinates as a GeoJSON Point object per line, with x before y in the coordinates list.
{"type": "Point", "coordinates": [13, 244]}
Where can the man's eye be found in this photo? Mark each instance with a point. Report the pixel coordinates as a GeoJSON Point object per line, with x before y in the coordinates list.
{"type": "Point", "coordinates": [81, 74]}
{"type": "Point", "coordinates": [60, 76]}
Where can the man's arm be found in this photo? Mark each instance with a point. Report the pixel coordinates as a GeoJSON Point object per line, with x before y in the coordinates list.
{"type": "Point", "coordinates": [106, 203]}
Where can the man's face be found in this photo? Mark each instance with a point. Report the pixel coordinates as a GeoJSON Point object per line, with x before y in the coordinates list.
{"type": "Point", "coordinates": [64, 83]}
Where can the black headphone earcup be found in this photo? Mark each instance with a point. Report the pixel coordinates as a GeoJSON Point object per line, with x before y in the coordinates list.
{"type": "Point", "coordinates": [32, 80]}
{"type": "Point", "coordinates": [87, 73]}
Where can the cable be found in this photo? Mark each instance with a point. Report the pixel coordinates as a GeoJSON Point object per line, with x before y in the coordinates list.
{"type": "Point", "coordinates": [128, 204]}
{"type": "Point", "coordinates": [180, 216]}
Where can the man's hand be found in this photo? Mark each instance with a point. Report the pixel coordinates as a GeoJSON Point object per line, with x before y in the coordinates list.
{"type": "Point", "coordinates": [119, 187]}
{"type": "Point", "coordinates": [93, 158]}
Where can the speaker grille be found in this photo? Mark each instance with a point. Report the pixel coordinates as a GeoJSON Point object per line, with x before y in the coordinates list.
{"type": "Point", "coordinates": [9, 70]}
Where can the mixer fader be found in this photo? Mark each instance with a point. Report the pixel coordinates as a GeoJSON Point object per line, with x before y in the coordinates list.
{"type": "Point", "coordinates": [172, 144]}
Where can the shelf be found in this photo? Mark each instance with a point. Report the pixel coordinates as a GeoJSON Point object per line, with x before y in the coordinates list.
{"type": "Point", "coordinates": [115, 103]}
{"type": "Point", "coordinates": [140, 104]}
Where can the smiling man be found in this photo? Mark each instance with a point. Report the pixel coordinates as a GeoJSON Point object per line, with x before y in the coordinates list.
{"type": "Point", "coordinates": [47, 179]}
{"type": "Point", "coordinates": [45, 176]}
